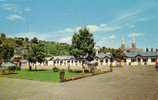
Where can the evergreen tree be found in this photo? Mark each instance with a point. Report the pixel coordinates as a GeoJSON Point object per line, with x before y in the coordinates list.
{"type": "Point", "coordinates": [36, 53]}
{"type": "Point", "coordinates": [83, 45]}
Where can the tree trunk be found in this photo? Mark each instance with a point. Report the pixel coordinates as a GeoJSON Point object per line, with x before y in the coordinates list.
{"type": "Point", "coordinates": [35, 67]}
{"type": "Point", "coordinates": [30, 67]}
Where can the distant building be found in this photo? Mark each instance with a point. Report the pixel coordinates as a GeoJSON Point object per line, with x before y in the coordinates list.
{"type": "Point", "coordinates": [137, 56]}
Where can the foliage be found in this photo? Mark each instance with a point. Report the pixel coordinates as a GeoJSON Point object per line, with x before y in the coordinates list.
{"type": "Point", "coordinates": [3, 35]}
{"type": "Point", "coordinates": [6, 52]}
{"type": "Point", "coordinates": [83, 45]}
{"type": "Point", "coordinates": [37, 53]}
{"type": "Point", "coordinates": [19, 42]}
{"type": "Point", "coordinates": [7, 70]}
{"type": "Point", "coordinates": [34, 40]}
{"type": "Point", "coordinates": [52, 48]}
{"type": "Point", "coordinates": [118, 54]}
{"type": "Point", "coordinates": [12, 68]}
{"type": "Point", "coordinates": [55, 69]}
{"type": "Point", "coordinates": [75, 71]}
{"type": "Point", "coordinates": [57, 48]}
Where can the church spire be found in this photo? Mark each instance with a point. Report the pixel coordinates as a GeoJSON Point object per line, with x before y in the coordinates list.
{"type": "Point", "coordinates": [122, 42]}
{"type": "Point", "coordinates": [133, 40]}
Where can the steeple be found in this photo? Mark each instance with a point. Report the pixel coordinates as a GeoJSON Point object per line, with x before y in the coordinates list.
{"type": "Point", "coordinates": [133, 40]}
{"type": "Point", "coordinates": [123, 42]}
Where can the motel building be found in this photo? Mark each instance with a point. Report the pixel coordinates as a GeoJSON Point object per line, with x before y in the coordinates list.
{"type": "Point", "coordinates": [141, 58]}
{"type": "Point", "coordinates": [69, 62]}
{"type": "Point", "coordinates": [137, 56]}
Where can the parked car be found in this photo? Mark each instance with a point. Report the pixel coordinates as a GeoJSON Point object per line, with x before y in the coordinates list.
{"type": "Point", "coordinates": [156, 64]}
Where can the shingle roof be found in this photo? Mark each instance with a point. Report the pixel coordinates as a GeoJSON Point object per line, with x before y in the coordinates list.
{"type": "Point", "coordinates": [62, 58]}
{"type": "Point", "coordinates": [103, 55]}
{"type": "Point", "coordinates": [143, 54]}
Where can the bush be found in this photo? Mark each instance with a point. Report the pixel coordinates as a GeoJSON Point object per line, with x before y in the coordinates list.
{"type": "Point", "coordinates": [18, 68]}
{"type": "Point", "coordinates": [75, 71]}
{"type": "Point", "coordinates": [7, 70]}
{"type": "Point", "coordinates": [11, 68]}
{"type": "Point", "coordinates": [55, 69]}
{"type": "Point", "coordinates": [86, 71]}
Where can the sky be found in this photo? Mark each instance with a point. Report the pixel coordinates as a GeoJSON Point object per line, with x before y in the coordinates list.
{"type": "Point", "coordinates": [57, 20]}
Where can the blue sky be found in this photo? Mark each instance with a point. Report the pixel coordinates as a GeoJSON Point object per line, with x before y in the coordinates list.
{"type": "Point", "coordinates": [57, 20]}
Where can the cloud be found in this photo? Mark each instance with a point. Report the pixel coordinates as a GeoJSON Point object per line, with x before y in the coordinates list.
{"type": "Point", "coordinates": [14, 17]}
{"type": "Point", "coordinates": [10, 7]}
{"type": "Point", "coordinates": [65, 40]}
{"type": "Point", "coordinates": [27, 9]}
{"type": "Point", "coordinates": [14, 8]}
{"type": "Point", "coordinates": [45, 36]}
{"type": "Point", "coordinates": [92, 28]}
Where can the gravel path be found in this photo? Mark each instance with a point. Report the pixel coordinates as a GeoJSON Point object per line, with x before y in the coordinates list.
{"type": "Point", "coordinates": [132, 83]}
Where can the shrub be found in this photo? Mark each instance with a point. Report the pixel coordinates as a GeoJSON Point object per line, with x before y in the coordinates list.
{"type": "Point", "coordinates": [55, 69]}
{"type": "Point", "coordinates": [75, 71]}
{"type": "Point", "coordinates": [18, 68]}
{"type": "Point", "coordinates": [12, 68]}
{"type": "Point", "coordinates": [7, 70]}
{"type": "Point", "coordinates": [86, 71]}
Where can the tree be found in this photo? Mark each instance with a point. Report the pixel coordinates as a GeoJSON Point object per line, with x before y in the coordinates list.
{"type": "Point", "coordinates": [34, 40]}
{"type": "Point", "coordinates": [1, 42]}
{"type": "Point", "coordinates": [19, 42]}
{"type": "Point", "coordinates": [83, 45]}
{"type": "Point", "coordinates": [36, 54]}
{"type": "Point", "coordinates": [6, 52]}
{"type": "Point", "coordinates": [118, 54]}
{"type": "Point", "coordinates": [26, 39]}
{"type": "Point", "coordinates": [3, 35]}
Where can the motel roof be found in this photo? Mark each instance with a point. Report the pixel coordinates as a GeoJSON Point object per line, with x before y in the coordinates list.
{"type": "Point", "coordinates": [103, 55]}
{"type": "Point", "coordinates": [142, 54]}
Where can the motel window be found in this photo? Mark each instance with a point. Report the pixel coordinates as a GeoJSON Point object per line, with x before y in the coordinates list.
{"type": "Point", "coordinates": [145, 60]}
{"type": "Point", "coordinates": [57, 61]}
{"type": "Point", "coordinates": [106, 60]}
{"type": "Point", "coordinates": [61, 62]}
{"type": "Point", "coordinates": [124, 60]}
{"type": "Point", "coordinates": [133, 60]}
{"type": "Point", "coordinates": [68, 61]}
{"type": "Point", "coordinates": [111, 60]}
{"type": "Point", "coordinates": [153, 59]}
{"type": "Point", "coordinates": [71, 61]}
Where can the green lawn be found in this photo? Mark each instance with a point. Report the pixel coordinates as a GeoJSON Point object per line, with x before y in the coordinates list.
{"type": "Point", "coordinates": [43, 75]}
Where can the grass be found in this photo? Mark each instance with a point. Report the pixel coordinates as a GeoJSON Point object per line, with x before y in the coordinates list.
{"type": "Point", "coordinates": [41, 75]}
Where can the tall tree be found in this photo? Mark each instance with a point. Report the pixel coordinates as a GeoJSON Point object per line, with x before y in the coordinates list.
{"type": "Point", "coordinates": [19, 42]}
{"type": "Point", "coordinates": [83, 45]}
{"type": "Point", "coordinates": [36, 54]}
{"type": "Point", "coordinates": [6, 52]}
{"type": "Point", "coordinates": [3, 35]}
{"type": "Point", "coordinates": [35, 40]}
{"type": "Point", "coordinates": [118, 54]}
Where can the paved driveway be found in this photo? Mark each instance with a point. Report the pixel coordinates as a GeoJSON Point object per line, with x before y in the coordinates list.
{"type": "Point", "coordinates": [134, 83]}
